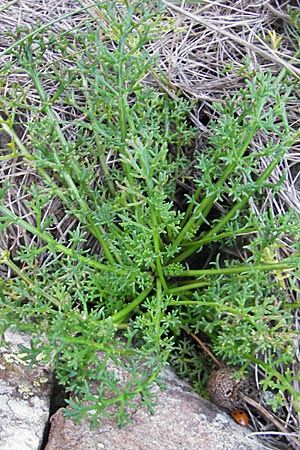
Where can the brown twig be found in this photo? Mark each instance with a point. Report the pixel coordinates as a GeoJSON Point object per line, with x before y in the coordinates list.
{"type": "Point", "coordinates": [272, 419]}
{"type": "Point", "coordinates": [204, 348]}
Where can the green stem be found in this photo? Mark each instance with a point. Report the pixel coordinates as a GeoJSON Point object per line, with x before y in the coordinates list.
{"type": "Point", "coordinates": [228, 309]}
{"type": "Point", "coordinates": [259, 182]}
{"type": "Point", "coordinates": [91, 116]}
{"type": "Point", "coordinates": [156, 243]}
{"type": "Point", "coordinates": [46, 237]}
{"type": "Point", "coordinates": [6, 260]}
{"type": "Point", "coordinates": [12, 155]}
{"type": "Point", "coordinates": [40, 30]}
{"type": "Point", "coordinates": [280, 376]}
{"type": "Point", "coordinates": [234, 210]}
{"type": "Point", "coordinates": [122, 315]}
{"type": "Point", "coordinates": [85, 210]}
{"type": "Point", "coordinates": [207, 203]}
{"type": "Point", "coordinates": [143, 159]}
{"type": "Point", "coordinates": [187, 287]}
{"type": "Point", "coordinates": [158, 311]}
{"type": "Point", "coordinates": [227, 234]}
{"type": "Point", "coordinates": [64, 341]}
{"type": "Point", "coordinates": [291, 306]}
{"type": "Point", "coordinates": [194, 246]}
{"type": "Point", "coordinates": [123, 107]}
{"type": "Point", "coordinates": [282, 265]}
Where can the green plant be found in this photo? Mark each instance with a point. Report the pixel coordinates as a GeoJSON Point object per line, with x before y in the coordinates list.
{"type": "Point", "coordinates": [116, 174]}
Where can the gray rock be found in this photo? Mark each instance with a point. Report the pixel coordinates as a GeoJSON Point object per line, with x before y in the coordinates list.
{"type": "Point", "coordinates": [182, 420]}
{"type": "Point", "coordinates": [24, 398]}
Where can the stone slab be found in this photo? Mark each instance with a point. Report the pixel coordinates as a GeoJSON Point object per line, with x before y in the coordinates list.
{"type": "Point", "coordinates": [182, 420]}
{"type": "Point", "coordinates": [24, 398]}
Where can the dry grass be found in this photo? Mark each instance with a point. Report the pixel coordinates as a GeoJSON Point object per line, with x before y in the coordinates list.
{"type": "Point", "coordinates": [216, 35]}
{"type": "Point", "coordinates": [208, 37]}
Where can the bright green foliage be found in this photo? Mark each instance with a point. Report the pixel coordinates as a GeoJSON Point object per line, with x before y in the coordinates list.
{"type": "Point", "coordinates": [128, 302]}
